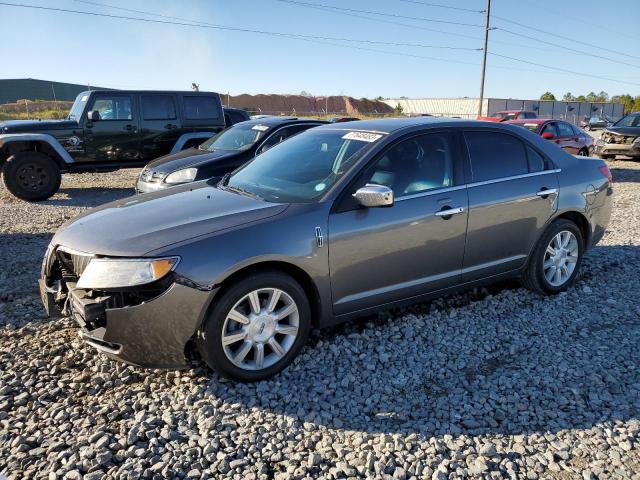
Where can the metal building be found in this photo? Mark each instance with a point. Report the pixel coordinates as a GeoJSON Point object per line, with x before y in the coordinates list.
{"type": "Point", "coordinates": [34, 89]}
{"type": "Point", "coordinates": [468, 107]}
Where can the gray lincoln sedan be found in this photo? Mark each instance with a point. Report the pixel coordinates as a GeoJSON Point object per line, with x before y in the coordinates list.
{"type": "Point", "coordinates": [339, 221]}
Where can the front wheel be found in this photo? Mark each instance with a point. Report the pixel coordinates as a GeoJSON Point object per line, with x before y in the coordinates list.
{"type": "Point", "coordinates": [583, 153]}
{"type": "Point", "coordinates": [556, 259]}
{"type": "Point", "coordinates": [31, 176]}
{"type": "Point", "coordinates": [256, 327]}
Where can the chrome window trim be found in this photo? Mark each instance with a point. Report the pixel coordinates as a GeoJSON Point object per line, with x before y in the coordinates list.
{"type": "Point", "coordinates": [436, 191]}
{"type": "Point", "coordinates": [433, 191]}
{"type": "Point", "coordinates": [514, 177]}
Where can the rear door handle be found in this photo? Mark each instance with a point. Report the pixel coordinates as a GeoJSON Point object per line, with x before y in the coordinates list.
{"type": "Point", "coordinates": [447, 212]}
{"type": "Point", "coordinates": [547, 191]}
{"type": "Point", "coordinates": [130, 128]}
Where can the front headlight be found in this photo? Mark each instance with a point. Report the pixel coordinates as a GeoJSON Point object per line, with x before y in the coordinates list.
{"type": "Point", "coordinates": [117, 273]}
{"type": "Point", "coordinates": [182, 176]}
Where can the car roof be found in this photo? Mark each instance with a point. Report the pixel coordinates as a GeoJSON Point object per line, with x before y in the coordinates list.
{"type": "Point", "coordinates": [124, 92]}
{"type": "Point", "coordinates": [273, 121]}
{"type": "Point", "coordinates": [388, 125]}
{"type": "Point", "coordinates": [538, 121]}
{"type": "Point", "coordinates": [514, 111]}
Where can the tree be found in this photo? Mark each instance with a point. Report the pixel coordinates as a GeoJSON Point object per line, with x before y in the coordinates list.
{"type": "Point", "coordinates": [568, 97]}
{"type": "Point", "coordinates": [581, 98]}
{"type": "Point", "coordinates": [603, 96]}
{"type": "Point", "coordinates": [547, 96]}
{"type": "Point", "coordinates": [399, 109]}
{"type": "Point", "coordinates": [304, 93]}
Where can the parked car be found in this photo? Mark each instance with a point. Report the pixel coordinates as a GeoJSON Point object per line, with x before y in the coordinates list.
{"type": "Point", "coordinates": [622, 138]}
{"type": "Point", "coordinates": [596, 122]}
{"type": "Point", "coordinates": [105, 130]}
{"type": "Point", "coordinates": [505, 115]}
{"type": "Point", "coordinates": [566, 135]}
{"type": "Point", "coordinates": [222, 153]}
{"type": "Point", "coordinates": [235, 115]}
{"type": "Point", "coordinates": [337, 222]}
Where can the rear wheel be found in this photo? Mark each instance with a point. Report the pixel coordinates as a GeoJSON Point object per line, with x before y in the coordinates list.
{"type": "Point", "coordinates": [256, 328]}
{"type": "Point", "coordinates": [556, 259]}
{"type": "Point", "coordinates": [31, 176]}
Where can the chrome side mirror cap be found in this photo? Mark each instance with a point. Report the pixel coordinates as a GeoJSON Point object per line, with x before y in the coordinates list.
{"type": "Point", "coordinates": [372, 195]}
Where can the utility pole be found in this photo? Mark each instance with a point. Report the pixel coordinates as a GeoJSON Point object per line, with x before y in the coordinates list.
{"type": "Point", "coordinates": [484, 57]}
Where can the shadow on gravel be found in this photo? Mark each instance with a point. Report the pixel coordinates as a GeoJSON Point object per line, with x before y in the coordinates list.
{"type": "Point", "coordinates": [496, 361]}
{"type": "Point", "coordinates": [88, 197]}
{"type": "Point", "coordinates": [625, 174]}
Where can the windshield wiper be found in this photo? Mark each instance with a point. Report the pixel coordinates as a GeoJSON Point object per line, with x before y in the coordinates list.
{"type": "Point", "coordinates": [222, 184]}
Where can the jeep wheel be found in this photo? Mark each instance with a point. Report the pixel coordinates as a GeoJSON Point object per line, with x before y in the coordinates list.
{"type": "Point", "coordinates": [31, 176]}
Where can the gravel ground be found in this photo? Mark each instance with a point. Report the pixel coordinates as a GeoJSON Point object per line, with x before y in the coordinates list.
{"type": "Point", "coordinates": [496, 383]}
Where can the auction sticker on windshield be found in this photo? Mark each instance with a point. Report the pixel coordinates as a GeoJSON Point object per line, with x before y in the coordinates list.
{"type": "Point", "coordinates": [362, 136]}
{"type": "Point", "coordinates": [260, 128]}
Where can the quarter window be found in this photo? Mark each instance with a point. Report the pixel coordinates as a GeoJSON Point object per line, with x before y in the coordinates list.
{"type": "Point", "coordinates": [495, 155]}
{"type": "Point", "coordinates": [200, 107]}
{"type": "Point", "coordinates": [415, 165]}
{"type": "Point", "coordinates": [158, 107]}
{"type": "Point", "coordinates": [537, 163]}
{"type": "Point", "coordinates": [116, 107]}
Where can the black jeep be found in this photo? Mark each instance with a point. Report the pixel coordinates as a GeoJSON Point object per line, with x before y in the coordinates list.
{"type": "Point", "coordinates": [105, 130]}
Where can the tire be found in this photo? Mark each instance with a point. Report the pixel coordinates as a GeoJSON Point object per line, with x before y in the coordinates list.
{"type": "Point", "coordinates": [535, 276]}
{"type": "Point", "coordinates": [245, 340]}
{"type": "Point", "coordinates": [31, 176]}
{"type": "Point", "coordinates": [607, 157]}
{"type": "Point", "coordinates": [583, 152]}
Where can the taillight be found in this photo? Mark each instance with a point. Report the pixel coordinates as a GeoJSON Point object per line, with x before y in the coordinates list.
{"type": "Point", "coordinates": [604, 170]}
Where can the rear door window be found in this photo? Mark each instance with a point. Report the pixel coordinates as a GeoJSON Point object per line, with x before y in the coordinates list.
{"type": "Point", "coordinates": [564, 130]}
{"type": "Point", "coordinates": [200, 107]}
{"type": "Point", "coordinates": [158, 107]}
{"type": "Point", "coordinates": [495, 155]}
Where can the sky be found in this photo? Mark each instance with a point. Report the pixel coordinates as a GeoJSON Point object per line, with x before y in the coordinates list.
{"type": "Point", "coordinates": [597, 39]}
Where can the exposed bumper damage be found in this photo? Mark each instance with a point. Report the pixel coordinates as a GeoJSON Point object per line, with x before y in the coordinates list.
{"type": "Point", "coordinates": [147, 327]}
{"type": "Point", "coordinates": [614, 144]}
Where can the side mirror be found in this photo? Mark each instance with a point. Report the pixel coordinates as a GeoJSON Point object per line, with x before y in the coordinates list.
{"type": "Point", "coordinates": [93, 116]}
{"type": "Point", "coordinates": [548, 136]}
{"type": "Point", "coordinates": [372, 195]}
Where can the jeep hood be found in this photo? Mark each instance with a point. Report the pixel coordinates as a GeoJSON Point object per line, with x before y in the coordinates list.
{"type": "Point", "coordinates": [137, 225]}
{"type": "Point", "coordinates": [192, 157]}
{"type": "Point", "coordinates": [27, 126]}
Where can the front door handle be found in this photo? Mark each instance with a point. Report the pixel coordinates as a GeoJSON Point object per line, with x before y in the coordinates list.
{"type": "Point", "coordinates": [170, 126]}
{"type": "Point", "coordinates": [546, 192]}
{"type": "Point", "coordinates": [130, 128]}
{"type": "Point", "coordinates": [447, 212]}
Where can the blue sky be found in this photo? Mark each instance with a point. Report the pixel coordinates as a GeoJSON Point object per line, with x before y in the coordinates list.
{"type": "Point", "coordinates": [130, 54]}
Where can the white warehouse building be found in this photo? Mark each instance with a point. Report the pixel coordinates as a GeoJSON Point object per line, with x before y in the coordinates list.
{"type": "Point", "coordinates": [468, 107]}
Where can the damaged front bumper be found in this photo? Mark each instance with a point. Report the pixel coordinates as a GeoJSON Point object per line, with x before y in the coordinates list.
{"type": "Point", "coordinates": [626, 149]}
{"type": "Point", "coordinates": [150, 333]}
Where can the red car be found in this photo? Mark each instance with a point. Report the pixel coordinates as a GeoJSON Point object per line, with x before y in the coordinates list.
{"type": "Point", "coordinates": [506, 115]}
{"type": "Point", "coordinates": [568, 136]}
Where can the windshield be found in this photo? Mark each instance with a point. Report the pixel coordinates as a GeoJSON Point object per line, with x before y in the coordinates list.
{"type": "Point", "coordinates": [304, 167]}
{"type": "Point", "coordinates": [238, 138]}
{"type": "Point", "coordinates": [632, 120]}
{"type": "Point", "coordinates": [78, 106]}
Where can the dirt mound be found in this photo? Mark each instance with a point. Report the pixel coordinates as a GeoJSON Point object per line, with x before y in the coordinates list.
{"type": "Point", "coordinates": [301, 104]}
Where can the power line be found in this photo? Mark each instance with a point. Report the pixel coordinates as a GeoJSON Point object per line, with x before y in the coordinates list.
{"type": "Point", "coordinates": [372, 12]}
{"type": "Point", "coordinates": [429, 4]}
{"type": "Point", "coordinates": [559, 69]}
{"type": "Point", "coordinates": [308, 38]}
{"type": "Point", "coordinates": [600, 47]}
{"type": "Point", "coordinates": [581, 52]}
{"type": "Point", "coordinates": [196, 23]}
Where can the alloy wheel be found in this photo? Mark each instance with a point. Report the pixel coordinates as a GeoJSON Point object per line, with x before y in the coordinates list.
{"type": "Point", "coordinates": [260, 329]}
{"type": "Point", "coordinates": [560, 258]}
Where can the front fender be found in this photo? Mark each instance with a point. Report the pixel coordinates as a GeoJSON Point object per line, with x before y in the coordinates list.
{"type": "Point", "coordinates": [50, 140]}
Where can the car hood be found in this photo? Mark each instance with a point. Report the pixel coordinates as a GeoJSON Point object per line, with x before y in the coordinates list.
{"type": "Point", "coordinates": [23, 126]}
{"type": "Point", "coordinates": [624, 130]}
{"type": "Point", "coordinates": [137, 225]}
{"type": "Point", "coordinates": [191, 157]}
